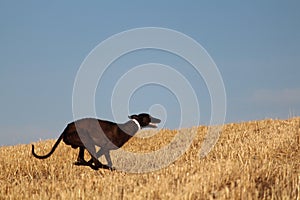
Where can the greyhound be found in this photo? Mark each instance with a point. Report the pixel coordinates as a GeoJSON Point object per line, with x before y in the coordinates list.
{"type": "Point", "coordinates": [88, 132]}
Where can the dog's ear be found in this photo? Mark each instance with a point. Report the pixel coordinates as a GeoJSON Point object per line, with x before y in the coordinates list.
{"type": "Point", "coordinates": [133, 117]}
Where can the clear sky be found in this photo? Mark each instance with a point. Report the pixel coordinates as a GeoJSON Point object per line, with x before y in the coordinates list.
{"type": "Point", "coordinates": [255, 45]}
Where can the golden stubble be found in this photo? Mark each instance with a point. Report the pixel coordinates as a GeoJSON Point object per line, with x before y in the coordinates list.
{"type": "Point", "coordinates": [251, 160]}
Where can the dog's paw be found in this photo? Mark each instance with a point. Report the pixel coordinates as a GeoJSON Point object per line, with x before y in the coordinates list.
{"type": "Point", "coordinates": [102, 166]}
{"type": "Point", "coordinates": [79, 163]}
{"type": "Point", "coordinates": [112, 169]}
{"type": "Point", "coordinates": [94, 167]}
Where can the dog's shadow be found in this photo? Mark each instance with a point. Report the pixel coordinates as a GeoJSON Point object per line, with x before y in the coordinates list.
{"type": "Point", "coordinates": [91, 165]}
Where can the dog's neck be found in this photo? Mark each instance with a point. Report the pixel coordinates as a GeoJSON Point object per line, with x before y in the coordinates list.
{"type": "Point", "coordinates": [137, 123]}
{"type": "Point", "coordinates": [131, 127]}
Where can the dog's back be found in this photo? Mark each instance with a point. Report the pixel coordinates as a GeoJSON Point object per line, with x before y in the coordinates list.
{"type": "Point", "coordinates": [90, 130]}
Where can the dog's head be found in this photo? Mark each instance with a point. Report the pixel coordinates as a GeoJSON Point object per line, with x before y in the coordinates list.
{"type": "Point", "coordinates": [145, 120]}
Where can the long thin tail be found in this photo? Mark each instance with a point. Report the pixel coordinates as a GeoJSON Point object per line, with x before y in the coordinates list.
{"type": "Point", "coordinates": [52, 150]}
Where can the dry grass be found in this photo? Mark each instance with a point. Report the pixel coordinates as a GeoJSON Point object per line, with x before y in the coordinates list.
{"type": "Point", "coordinates": [252, 160]}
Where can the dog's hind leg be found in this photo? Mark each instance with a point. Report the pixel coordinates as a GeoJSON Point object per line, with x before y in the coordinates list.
{"type": "Point", "coordinates": [80, 159]}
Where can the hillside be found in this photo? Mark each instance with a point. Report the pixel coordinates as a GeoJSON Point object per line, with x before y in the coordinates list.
{"type": "Point", "coordinates": [257, 160]}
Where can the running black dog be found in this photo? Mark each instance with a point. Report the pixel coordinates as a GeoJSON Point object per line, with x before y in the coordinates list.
{"type": "Point", "coordinates": [88, 132]}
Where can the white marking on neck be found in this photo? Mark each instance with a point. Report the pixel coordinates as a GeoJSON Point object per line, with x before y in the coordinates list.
{"type": "Point", "coordinates": [137, 123]}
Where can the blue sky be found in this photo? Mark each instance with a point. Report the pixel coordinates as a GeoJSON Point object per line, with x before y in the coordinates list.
{"type": "Point", "coordinates": [255, 45]}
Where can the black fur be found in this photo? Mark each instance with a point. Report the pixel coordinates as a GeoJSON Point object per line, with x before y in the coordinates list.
{"type": "Point", "coordinates": [88, 132]}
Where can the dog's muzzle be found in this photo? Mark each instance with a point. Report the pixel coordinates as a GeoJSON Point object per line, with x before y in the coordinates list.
{"type": "Point", "coordinates": [154, 122]}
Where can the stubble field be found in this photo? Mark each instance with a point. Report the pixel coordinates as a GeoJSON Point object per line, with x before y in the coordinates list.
{"type": "Point", "coordinates": [251, 160]}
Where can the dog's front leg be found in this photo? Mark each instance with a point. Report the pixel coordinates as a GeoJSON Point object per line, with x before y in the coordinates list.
{"type": "Point", "coordinates": [108, 158]}
{"type": "Point", "coordinates": [98, 154]}
{"type": "Point", "coordinates": [92, 150]}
